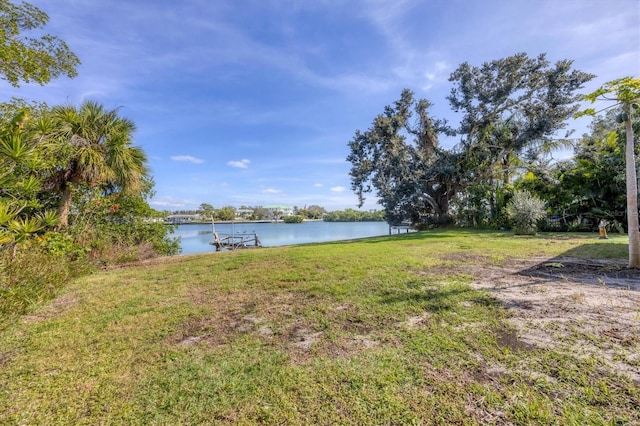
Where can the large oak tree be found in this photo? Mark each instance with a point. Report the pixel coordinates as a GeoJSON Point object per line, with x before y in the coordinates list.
{"type": "Point", "coordinates": [511, 108]}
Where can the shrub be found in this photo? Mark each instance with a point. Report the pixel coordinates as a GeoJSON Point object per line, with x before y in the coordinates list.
{"type": "Point", "coordinates": [293, 219]}
{"type": "Point", "coordinates": [31, 275]}
{"type": "Point", "coordinates": [524, 210]}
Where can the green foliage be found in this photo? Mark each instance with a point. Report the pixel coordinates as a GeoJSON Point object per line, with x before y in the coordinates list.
{"type": "Point", "coordinates": [524, 210]}
{"type": "Point", "coordinates": [93, 145]}
{"type": "Point", "coordinates": [399, 157]}
{"type": "Point", "coordinates": [226, 213]}
{"type": "Point", "coordinates": [48, 157]}
{"type": "Point", "coordinates": [260, 213]}
{"type": "Point", "coordinates": [63, 245]}
{"type": "Point", "coordinates": [31, 274]}
{"type": "Point", "coordinates": [119, 227]}
{"type": "Point", "coordinates": [512, 108]}
{"type": "Point", "coordinates": [591, 185]}
{"type": "Point", "coordinates": [626, 93]}
{"type": "Point", "coordinates": [313, 212]}
{"type": "Point", "coordinates": [40, 171]}
{"type": "Point", "coordinates": [482, 205]}
{"type": "Point", "coordinates": [22, 214]}
{"type": "Point", "coordinates": [207, 211]}
{"type": "Point", "coordinates": [27, 59]}
{"type": "Point", "coordinates": [351, 215]}
{"type": "Point", "coordinates": [625, 90]}
{"type": "Point", "coordinates": [296, 218]}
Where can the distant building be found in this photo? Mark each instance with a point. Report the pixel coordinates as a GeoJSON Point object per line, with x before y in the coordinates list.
{"type": "Point", "coordinates": [183, 218]}
{"type": "Point", "coordinates": [244, 212]}
{"type": "Point", "coordinates": [278, 212]}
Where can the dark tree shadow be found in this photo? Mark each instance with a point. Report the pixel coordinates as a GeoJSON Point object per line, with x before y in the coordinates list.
{"type": "Point", "coordinates": [598, 264]}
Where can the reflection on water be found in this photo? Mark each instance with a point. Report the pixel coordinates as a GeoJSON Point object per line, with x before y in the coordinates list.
{"type": "Point", "coordinates": [197, 238]}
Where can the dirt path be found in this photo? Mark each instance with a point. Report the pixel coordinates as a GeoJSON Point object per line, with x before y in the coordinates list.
{"type": "Point", "coordinates": [583, 306]}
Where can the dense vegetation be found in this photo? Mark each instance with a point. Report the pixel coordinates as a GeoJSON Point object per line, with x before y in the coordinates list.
{"type": "Point", "coordinates": [293, 219]}
{"type": "Point", "coordinates": [73, 186]}
{"type": "Point", "coordinates": [513, 109]}
{"type": "Point", "coordinates": [351, 215]}
{"type": "Point", "coordinates": [313, 212]}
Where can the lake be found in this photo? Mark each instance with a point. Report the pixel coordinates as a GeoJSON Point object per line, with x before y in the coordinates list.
{"type": "Point", "coordinates": [196, 238]}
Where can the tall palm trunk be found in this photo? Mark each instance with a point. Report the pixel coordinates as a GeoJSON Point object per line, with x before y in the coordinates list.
{"type": "Point", "coordinates": [632, 194]}
{"type": "Point", "coordinates": [64, 208]}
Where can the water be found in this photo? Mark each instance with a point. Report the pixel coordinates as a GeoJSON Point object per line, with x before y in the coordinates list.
{"type": "Point", "coordinates": [197, 238]}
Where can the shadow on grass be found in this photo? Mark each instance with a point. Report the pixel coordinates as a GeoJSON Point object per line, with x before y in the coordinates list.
{"type": "Point", "coordinates": [432, 300]}
{"type": "Point", "coordinates": [599, 264]}
{"type": "Point", "coordinates": [440, 299]}
{"type": "Point", "coordinates": [456, 233]}
{"type": "Point", "coordinates": [440, 234]}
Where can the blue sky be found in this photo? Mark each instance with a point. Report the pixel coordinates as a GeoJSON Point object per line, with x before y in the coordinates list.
{"type": "Point", "coordinates": [253, 102]}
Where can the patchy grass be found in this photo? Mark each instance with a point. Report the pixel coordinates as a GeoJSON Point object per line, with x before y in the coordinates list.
{"type": "Point", "coordinates": [377, 331]}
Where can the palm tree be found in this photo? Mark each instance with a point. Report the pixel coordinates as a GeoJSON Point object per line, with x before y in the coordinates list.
{"type": "Point", "coordinates": [626, 92]}
{"type": "Point", "coordinates": [93, 145]}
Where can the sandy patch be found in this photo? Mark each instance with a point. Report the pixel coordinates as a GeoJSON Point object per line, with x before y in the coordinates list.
{"type": "Point", "coordinates": [582, 306]}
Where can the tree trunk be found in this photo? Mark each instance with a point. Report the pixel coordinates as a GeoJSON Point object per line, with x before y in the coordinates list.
{"type": "Point", "coordinates": [64, 208]}
{"type": "Point", "coordinates": [632, 195]}
{"type": "Point", "coordinates": [444, 218]}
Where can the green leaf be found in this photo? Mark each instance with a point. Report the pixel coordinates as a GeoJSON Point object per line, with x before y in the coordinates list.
{"type": "Point", "coordinates": [14, 148]}
{"type": "Point", "coordinates": [588, 111]}
{"type": "Point", "coordinates": [612, 139]}
{"type": "Point", "coordinates": [7, 213]}
{"type": "Point", "coordinates": [26, 226]}
{"type": "Point", "coordinates": [49, 218]}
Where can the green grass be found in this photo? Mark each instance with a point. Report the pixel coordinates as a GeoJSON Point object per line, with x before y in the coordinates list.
{"type": "Point", "coordinates": [377, 331]}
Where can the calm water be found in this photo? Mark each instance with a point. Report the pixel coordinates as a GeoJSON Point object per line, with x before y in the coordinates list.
{"type": "Point", "coordinates": [196, 238]}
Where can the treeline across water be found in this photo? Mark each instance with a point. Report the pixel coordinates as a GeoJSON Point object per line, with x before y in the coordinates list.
{"type": "Point", "coordinates": [352, 215]}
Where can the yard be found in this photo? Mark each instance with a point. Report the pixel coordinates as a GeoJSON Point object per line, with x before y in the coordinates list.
{"type": "Point", "coordinates": [438, 327]}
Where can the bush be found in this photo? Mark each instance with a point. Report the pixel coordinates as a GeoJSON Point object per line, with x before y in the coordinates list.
{"type": "Point", "coordinates": [32, 275]}
{"type": "Point", "coordinates": [293, 219]}
{"type": "Point", "coordinates": [524, 210]}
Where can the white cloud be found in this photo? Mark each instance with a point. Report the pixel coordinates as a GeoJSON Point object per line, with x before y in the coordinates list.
{"type": "Point", "coordinates": [172, 203]}
{"type": "Point", "coordinates": [437, 73]}
{"type": "Point", "coordinates": [338, 189]}
{"type": "Point", "coordinates": [318, 185]}
{"type": "Point", "coordinates": [271, 191]}
{"type": "Point", "coordinates": [242, 164]}
{"type": "Point", "coordinates": [187, 158]}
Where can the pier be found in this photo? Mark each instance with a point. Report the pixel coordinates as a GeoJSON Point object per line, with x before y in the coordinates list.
{"type": "Point", "coordinates": [235, 241]}
{"type": "Point", "coordinates": [397, 229]}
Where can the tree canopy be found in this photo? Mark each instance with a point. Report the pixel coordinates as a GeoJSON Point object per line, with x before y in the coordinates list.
{"type": "Point", "coordinates": [31, 59]}
{"type": "Point", "coordinates": [92, 145]}
{"type": "Point", "coordinates": [399, 157]}
{"type": "Point", "coordinates": [512, 109]}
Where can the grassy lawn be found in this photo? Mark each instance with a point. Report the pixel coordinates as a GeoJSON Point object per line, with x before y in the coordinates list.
{"type": "Point", "coordinates": [376, 331]}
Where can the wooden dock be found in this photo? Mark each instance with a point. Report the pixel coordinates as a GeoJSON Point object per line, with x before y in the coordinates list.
{"type": "Point", "coordinates": [397, 229]}
{"type": "Point", "coordinates": [235, 241]}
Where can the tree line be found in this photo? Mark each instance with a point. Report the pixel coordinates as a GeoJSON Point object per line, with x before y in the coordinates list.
{"type": "Point", "coordinates": [312, 212]}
